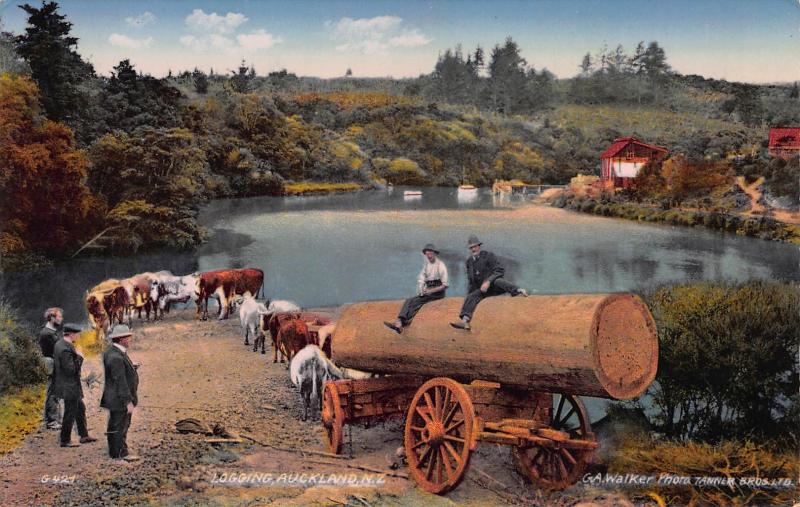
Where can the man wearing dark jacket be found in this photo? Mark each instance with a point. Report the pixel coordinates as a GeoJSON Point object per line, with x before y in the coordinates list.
{"type": "Point", "coordinates": [485, 277]}
{"type": "Point", "coordinates": [67, 362]}
{"type": "Point", "coordinates": [119, 392]}
{"type": "Point", "coordinates": [50, 334]}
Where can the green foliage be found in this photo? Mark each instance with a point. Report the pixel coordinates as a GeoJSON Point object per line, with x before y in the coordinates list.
{"type": "Point", "coordinates": [200, 81]}
{"type": "Point", "coordinates": [56, 67]}
{"type": "Point", "coordinates": [784, 178]}
{"type": "Point", "coordinates": [728, 360]}
{"type": "Point", "coordinates": [403, 171]}
{"type": "Point", "coordinates": [20, 358]}
{"type": "Point", "coordinates": [139, 223]}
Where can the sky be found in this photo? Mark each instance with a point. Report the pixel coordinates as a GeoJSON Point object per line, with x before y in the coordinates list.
{"type": "Point", "coordinates": [754, 41]}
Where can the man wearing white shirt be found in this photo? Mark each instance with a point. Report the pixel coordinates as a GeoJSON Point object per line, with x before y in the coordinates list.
{"type": "Point", "coordinates": [431, 285]}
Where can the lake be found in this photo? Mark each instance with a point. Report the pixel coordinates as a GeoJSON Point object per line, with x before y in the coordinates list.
{"type": "Point", "coordinates": [336, 249]}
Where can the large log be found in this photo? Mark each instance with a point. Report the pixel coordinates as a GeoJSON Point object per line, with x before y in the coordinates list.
{"type": "Point", "coordinates": [584, 344]}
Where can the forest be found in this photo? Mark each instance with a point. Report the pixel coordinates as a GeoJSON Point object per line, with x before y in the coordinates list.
{"type": "Point", "coordinates": [133, 157]}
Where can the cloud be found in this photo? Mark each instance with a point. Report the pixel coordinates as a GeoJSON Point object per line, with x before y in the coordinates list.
{"type": "Point", "coordinates": [141, 20]}
{"type": "Point", "coordinates": [258, 39]}
{"type": "Point", "coordinates": [374, 35]}
{"type": "Point", "coordinates": [192, 42]}
{"type": "Point", "coordinates": [221, 42]}
{"type": "Point", "coordinates": [409, 39]}
{"type": "Point", "coordinates": [200, 21]}
{"type": "Point", "coordinates": [123, 41]}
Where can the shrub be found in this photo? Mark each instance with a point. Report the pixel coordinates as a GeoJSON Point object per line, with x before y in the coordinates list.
{"type": "Point", "coordinates": [727, 365]}
{"type": "Point", "coordinates": [403, 171]}
{"type": "Point", "coordinates": [20, 358]}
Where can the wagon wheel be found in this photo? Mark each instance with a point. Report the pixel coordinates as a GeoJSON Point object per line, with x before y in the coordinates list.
{"type": "Point", "coordinates": [438, 435]}
{"type": "Point", "coordinates": [332, 417]}
{"type": "Point", "coordinates": [559, 467]}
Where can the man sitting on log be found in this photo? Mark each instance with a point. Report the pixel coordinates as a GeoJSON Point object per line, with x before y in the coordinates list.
{"type": "Point", "coordinates": [484, 274]}
{"type": "Point", "coordinates": [431, 285]}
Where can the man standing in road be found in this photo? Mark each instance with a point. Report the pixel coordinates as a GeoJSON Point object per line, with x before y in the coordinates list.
{"type": "Point", "coordinates": [67, 362]}
{"type": "Point", "coordinates": [485, 277]}
{"type": "Point", "coordinates": [431, 285]}
{"type": "Point", "coordinates": [119, 392]}
{"type": "Point", "coordinates": [50, 334]}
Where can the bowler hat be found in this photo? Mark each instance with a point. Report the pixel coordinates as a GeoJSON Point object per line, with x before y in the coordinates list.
{"type": "Point", "coordinates": [473, 240]}
{"type": "Point", "coordinates": [70, 328]}
{"type": "Point", "coordinates": [120, 331]}
{"type": "Point", "coordinates": [430, 247]}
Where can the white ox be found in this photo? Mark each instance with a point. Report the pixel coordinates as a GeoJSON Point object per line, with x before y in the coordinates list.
{"type": "Point", "coordinates": [250, 312]}
{"type": "Point", "coordinates": [309, 371]}
{"type": "Point", "coordinates": [174, 289]}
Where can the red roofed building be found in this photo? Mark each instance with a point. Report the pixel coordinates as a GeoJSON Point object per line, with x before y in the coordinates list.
{"type": "Point", "coordinates": [622, 161]}
{"type": "Point", "coordinates": [784, 142]}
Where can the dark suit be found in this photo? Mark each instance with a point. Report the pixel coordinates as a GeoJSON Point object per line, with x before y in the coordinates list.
{"type": "Point", "coordinates": [484, 267]}
{"type": "Point", "coordinates": [67, 381]}
{"type": "Point", "coordinates": [47, 342]}
{"type": "Point", "coordinates": [121, 386]}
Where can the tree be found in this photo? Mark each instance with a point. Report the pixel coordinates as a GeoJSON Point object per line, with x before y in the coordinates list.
{"type": "Point", "coordinates": [795, 91]}
{"type": "Point", "coordinates": [10, 61]}
{"type": "Point", "coordinates": [454, 80]}
{"type": "Point", "coordinates": [507, 78]}
{"type": "Point", "coordinates": [586, 65]}
{"type": "Point", "coordinates": [349, 72]}
{"type": "Point", "coordinates": [241, 78]}
{"type": "Point", "coordinates": [45, 205]}
{"type": "Point", "coordinates": [55, 66]}
{"type": "Point", "coordinates": [200, 81]}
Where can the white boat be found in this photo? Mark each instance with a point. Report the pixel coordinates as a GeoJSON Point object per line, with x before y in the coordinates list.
{"type": "Point", "coordinates": [412, 193]}
{"type": "Point", "coordinates": [467, 188]}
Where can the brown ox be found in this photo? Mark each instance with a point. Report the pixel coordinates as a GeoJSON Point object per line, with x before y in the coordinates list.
{"type": "Point", "coordinates": [227, 283]}
{"type": "Point", "coordinates": [97, 313]}
{"type": "Point", "coordinates": [116, 304]}
{"type": "Point", "coordinates": [140, 294]}
{"type": "Point", "coordinates": [273, 324]}
{"type": "Point", "coordinates": [293, 335]}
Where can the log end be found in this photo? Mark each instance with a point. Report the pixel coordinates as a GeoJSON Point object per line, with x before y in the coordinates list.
{"type": "Point", "coordinates": [624, 346]}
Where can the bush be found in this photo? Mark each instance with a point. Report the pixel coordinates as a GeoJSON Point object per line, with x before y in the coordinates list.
{"type": "Point", "coordinates": [728, 360]}
{"type": "Point", "coordinates": [403, 171]}
{"type": "Point", "coordinates": [20, 358]}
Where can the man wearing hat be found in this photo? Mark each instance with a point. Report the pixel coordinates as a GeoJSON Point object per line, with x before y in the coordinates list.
{"type": "Point", "coordinates": [431, 285]}
{"type": "Point", "coordinates": [119, 392]}
{"type": "Point", "coordinates": [67, 362]}
{"type": "Point", "coordinates": [485, 277]}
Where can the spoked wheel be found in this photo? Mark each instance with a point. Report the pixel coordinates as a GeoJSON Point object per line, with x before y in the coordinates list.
{"type": "Point", "coordinates": [561, 466]}
{"type": "Point", "coordinates": [332, 418]}
{"type": "Point", "coordinates": [438, 435]}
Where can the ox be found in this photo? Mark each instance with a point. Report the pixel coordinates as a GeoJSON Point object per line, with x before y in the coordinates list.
{"type": "Point", "coordinates": [116, 305]}
{"type": "Point", "coordinates": [273, 308]}
{"type": "Point", "coordinates": [277, 319]}
{"type": "Point", "coordinates": [293, 335]}
{"type": "Point", "coordinates": [309, 371]}
{"type": "Point", "coordinates": [97, 314]}
{"type": "Point", "coordinates": [250, 312]}
{"type": "Point", "coordinates": [176, 289]}
{"type": "Point", "coordinates": [226, 284]}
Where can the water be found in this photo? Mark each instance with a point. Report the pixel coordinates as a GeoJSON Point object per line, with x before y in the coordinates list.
{"type": "Point", "coordinates": [336, 249]}
{"type": "Point", "coordinates": [331, 250]}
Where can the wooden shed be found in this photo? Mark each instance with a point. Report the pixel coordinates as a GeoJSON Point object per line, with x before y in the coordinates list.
{"type": "Point", "coordinates": [623, 160]}
{"type": "Point", "coordinates": [784, 142]}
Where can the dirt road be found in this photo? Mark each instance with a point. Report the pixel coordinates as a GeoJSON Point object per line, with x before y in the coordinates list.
{"type": "Point", "coordinates": [203, 370]}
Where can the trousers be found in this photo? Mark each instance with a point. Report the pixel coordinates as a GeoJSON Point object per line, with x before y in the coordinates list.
{"type": "Point", "coordinates": [74, 414]}
{"type": "Point", "coordinates": [412, 306]}
{"type": "Point", "coordinates": [117, 433]}
{"type": "Point", "coordinates": [52, 411]}
{"type": "Point", "coordinates": [498, 287]}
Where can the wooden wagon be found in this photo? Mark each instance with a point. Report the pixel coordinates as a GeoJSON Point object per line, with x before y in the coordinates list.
{"type": "Point", "coordinates": [513, 380]}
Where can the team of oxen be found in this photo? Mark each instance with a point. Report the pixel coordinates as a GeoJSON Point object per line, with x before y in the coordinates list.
{"type": "Point", "coordinates": [300, 337]}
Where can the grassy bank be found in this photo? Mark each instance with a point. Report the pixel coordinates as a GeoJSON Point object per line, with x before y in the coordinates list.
{"type": "Point", "coordinates": [313, 187]}
{"type": "Point", "coordinates": [744, 464]}
{"type": "Point", "coordinates": [759, 227]}
{"type": "Point", "coordinates": [20, 414]}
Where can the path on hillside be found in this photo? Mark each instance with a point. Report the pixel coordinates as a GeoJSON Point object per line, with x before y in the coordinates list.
{"type": "Point", "coordinates": [203, 370]}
